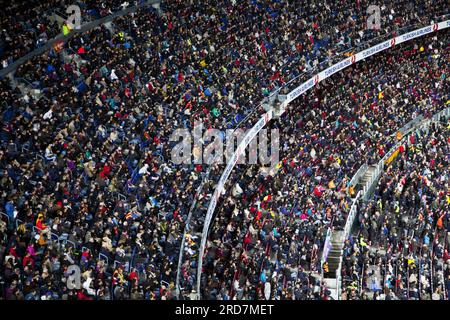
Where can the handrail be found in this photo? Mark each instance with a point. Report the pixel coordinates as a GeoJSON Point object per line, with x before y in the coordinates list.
{"type": "Point", "coordinates": [71, 242]}
{"type": "Point", "coordinates": [186, 229]}
{"type": "Point", "coordinates": [351, 216]}
{"type": "Point", "coordinates": [117, 263]}
{"type": "Point", "coordinates": [54, 235]}
{"type": "Point", "coordinates": [327, 244]}
{"type": "Point", "coordinates": [198, 191]}
{"type": "Point", "coordinates": [348, 224]}
{"type": "Point", "coordinates": [101, 256]}
{"type": "Point", "coordinates": [361, 280]}
{"type": "Point", "coordinates": [26, 81]}
{"type": "Point", "coordinates": [18, 221]}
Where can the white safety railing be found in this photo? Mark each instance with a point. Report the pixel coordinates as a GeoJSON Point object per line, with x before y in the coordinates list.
{"type": "Point", "coordinates": [326, 247]}
{"type": "Point", "coordinates": [351, 215]}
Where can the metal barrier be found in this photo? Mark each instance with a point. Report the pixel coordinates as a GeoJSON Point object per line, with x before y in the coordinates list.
{"type": "Point", "coordinates": [407, 129]}
{"type": "Point", "coordinates": [126, 264]}
{"type": "Point", "coordinates": [18, 221]}
{"type": "Point", "coordinates": [441, 114]}
{"type": "Point", "coordinates": [403, 130]}
{"type": "Point", "coordinates": [117, 263]}
{"type": "Point", "coordinates": [101, 256]}
{"type": "Point", "coordinates": [411, 126]}
{"type": "Point", "coordinates": [326, 247]}
{"type": "Point", "coordinates": [36, 228]}
{"type": "Point", "coordinates": [53, 236]}
{"type": "Point", "coordinates": [70, 242]}
{"type": "Point", "coordinates": [339, 281]}
{"type": "Point", "coordinates": [348, 225]}
{"type": "Point", "coordinates": [351, 215]}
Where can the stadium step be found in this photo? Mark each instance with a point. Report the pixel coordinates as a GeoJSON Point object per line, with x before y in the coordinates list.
{"type": "Point", "coordinates": [367, 176]}
{"type": "Point", "coordinates": [337, 236]}
{"type": "Point", "coordinates": [157, 6]}
{"type": "Point", "coordinates": [335, 252]}
{"type": "Point", "coordinates": [36, 94]}
{"type": "Point", "coordinates": [334, 260]}
{"type": "Point", "coordinates": [23, 88]}
{"type": "Point", "coordinates": [315, 274]}
{"type": "Point", "coordinates": [337, 244]}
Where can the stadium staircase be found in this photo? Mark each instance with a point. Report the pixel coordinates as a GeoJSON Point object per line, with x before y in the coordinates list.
{"type": "Point", "coordinates": [334, 262]}
{"type": "Point", "coordinates": [365, 181]}
{"type": "Point", "coordinates": [332, 278]}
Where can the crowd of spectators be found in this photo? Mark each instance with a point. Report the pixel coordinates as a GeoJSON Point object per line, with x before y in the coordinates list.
{"type": "Point", "coordinates": [24, 26]}
{"type": "Point", "coordinates": [270, 228]}
{"type": "Point", "coordinates": [399, 249]}
{"type": "Point", "coordinates": [86, 173]}
{"type": "Point", "coordinates": [315, 49]}
{"type": "Point", "coordinates": [28, 25]}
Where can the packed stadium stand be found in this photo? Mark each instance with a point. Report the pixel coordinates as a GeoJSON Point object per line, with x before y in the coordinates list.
{"type": "Point", "coordinates": [357, 207]}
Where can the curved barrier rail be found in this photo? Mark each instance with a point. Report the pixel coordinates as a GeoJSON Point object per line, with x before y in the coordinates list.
{"type": "Point", "coordinates": [291, 96]}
